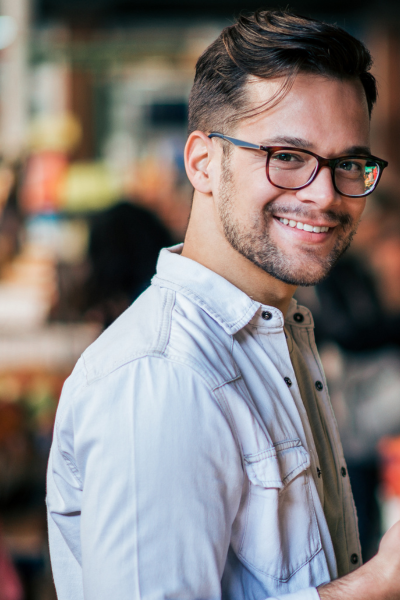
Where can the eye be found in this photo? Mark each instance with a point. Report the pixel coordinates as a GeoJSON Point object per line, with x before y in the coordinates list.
{"type": "Point", "coordinates": [350, 166]}
{"type": "Point", "coordinates": [287, 157]}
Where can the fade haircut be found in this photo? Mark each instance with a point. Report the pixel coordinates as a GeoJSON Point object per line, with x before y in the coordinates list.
{"type": "Point", "coordinates": [269, 44]}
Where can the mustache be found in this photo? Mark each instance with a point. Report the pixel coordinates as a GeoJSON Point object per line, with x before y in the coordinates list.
{"type": "Point", "coordinates": [341, 218]}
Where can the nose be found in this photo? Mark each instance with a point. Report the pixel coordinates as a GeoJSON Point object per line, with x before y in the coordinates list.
{"type": "Point", "coordinates": [320, 191]}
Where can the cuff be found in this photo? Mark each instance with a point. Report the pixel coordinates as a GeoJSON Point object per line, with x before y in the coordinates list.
{"type": "Point", "coordinates": [307, 594]}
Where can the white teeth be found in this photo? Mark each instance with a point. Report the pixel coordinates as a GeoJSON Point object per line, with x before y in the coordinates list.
{"type": "Point", "coordinates": [305, 226]}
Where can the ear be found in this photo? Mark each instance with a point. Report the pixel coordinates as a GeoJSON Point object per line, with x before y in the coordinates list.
{"type": "Point", "coordinates": [198, 154]}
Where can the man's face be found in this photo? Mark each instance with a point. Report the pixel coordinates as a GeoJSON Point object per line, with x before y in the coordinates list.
{"type": "Point", "coordinates": [328, 117]}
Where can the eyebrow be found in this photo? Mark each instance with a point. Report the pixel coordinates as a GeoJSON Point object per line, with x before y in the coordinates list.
{"type": "Point", "coordinates": [307, 145]}
{"type": "Point", "coordinates": [358, 150]}
{"type": "Point", "coordinates": [287, 141]}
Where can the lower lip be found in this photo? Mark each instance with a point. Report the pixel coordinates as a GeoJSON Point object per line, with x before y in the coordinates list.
{"type": "Point", "coordinates": [305, 236]}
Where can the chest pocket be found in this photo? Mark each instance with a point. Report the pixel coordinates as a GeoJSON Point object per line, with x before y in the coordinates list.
{"type": "Point", "coordinates": [280, 530]}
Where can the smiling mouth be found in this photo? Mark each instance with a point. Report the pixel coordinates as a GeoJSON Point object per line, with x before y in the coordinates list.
{"type": "Point", "coordinates": [305, 226]}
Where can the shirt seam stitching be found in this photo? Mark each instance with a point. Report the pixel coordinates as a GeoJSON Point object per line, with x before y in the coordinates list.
{"type": "Point", "coordinates": [319, 549]}
{"type": "Point", "coordinates": [72, 467]}
{"type": "Point", "coordinates": [165, 329]}
{"type": "Point", "coordinates": [220, 401]}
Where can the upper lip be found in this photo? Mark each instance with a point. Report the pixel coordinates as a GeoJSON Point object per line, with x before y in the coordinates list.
{"type": "Point", "coordinates": [307, 221]}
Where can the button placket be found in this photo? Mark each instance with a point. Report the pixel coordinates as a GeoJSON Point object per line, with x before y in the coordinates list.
{"type": "Point", "coordinates": [311, 448]}
{"type": "Point", "coordinates": [283, 340]}
{"type": "Point", "coordinates": [316, 471]}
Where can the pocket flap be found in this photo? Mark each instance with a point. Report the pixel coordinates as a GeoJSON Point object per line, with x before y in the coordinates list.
{"type": "Point", "coordinates": [277, 466]}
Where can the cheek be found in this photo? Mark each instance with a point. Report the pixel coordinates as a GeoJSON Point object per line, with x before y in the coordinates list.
{"type": "Point", "coordinates": [254, 192]}
{"type": "Point", "coordinates": [249, 172]}
{"type": "Point", "coordinates": [249, 189]}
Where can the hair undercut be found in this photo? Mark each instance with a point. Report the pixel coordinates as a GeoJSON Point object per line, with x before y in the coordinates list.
{"type": "Point", "coordinates": [269, 44]}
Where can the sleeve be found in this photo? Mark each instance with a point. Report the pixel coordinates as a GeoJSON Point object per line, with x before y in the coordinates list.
{"type": "Point", "coordinates": [63, 499]}
{"type": "Point", "coordinates": [67, 571]}
{"type": "Point", "coordinates": [162, 481]}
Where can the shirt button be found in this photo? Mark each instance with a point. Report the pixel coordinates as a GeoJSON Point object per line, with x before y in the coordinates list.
{"type": "Point", "coordinates": [266, 315]}
{"type": "Point", "coordinates": [354, 559]}
{"type": "Point", "coordinates": [288, 381]}
{"type": "Point", "coordinates": [343, 472]}
{"type": "Point", "coordinates": [319, 385]}
{"type": "Point", "coordinates": [298, 317]}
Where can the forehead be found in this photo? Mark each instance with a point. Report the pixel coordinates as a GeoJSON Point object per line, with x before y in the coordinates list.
{"type": "Point", "coordinates": [332, 114]}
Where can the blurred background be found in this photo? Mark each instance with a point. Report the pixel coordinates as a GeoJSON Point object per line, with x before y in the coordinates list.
{"type": "Point", "coordinates": [93, 107]}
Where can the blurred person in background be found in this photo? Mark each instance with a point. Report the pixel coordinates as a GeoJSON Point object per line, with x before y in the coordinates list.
{"type": "Point", "coordinates": [124, 243]}
{"type": "Point", "coordinates": [195, 452]}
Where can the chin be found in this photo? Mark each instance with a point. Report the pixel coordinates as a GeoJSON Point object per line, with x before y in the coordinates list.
{"type": "Point", "coordinates": [305, 273]}
{"type": "Point", "coordinates": [305, 279]}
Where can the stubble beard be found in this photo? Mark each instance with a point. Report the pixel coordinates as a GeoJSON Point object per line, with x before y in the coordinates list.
{"type": "Point", "coordinates": [308, 267]}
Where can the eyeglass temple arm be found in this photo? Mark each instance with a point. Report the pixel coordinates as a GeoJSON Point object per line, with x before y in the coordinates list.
{"type": "Point", "coordinates": [235, 142]}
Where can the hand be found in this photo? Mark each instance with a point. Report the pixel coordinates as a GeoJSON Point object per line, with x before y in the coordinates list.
{"type": "Point", "coordinates": [386, 564]}
{"type": "Point", "coordinates": [378, 579]}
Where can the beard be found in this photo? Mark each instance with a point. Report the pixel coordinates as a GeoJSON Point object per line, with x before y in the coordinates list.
{"type": "Point", "coordinates": [305, 267]}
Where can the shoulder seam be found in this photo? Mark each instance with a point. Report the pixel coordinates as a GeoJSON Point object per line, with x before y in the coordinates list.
{"type": "Point", "coordinates": [165, 329]}
{"type": "Point", "coordinates": [211, 384]}
{"type": "Point", "coordinates": [156, 349]}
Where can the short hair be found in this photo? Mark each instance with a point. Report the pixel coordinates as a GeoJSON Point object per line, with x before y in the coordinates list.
{"type": "Point", "coordinates": [270, 44]}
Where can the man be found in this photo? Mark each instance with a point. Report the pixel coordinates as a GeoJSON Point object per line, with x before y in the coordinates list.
{"type": "Point", "coordinates": [195, 452]}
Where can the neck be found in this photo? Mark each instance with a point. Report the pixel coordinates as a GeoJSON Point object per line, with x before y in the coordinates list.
{"type": "Point", "coordinates": [206, 243]}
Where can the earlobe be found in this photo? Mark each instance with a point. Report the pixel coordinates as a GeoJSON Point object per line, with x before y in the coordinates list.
{"type": "Point", "coordinates": [198, 153]}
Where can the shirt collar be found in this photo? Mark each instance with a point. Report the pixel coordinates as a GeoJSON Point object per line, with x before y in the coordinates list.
{"type": "Point", "coordinates": [224, 302]}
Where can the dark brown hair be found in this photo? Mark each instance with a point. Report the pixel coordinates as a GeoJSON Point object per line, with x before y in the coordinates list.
{"type": "Point", "coordinates": [270, 44]}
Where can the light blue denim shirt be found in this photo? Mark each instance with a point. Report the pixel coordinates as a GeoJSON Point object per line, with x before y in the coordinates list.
{"type": "Point", "coordinates": [183, 464]}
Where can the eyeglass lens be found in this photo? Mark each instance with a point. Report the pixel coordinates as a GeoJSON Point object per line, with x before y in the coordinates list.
{"type": "Point", "coordinates": [353, 176]}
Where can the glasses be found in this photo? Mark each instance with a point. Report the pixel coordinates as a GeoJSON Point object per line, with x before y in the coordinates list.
{"type": "Point", "coordinates": [287, 168]}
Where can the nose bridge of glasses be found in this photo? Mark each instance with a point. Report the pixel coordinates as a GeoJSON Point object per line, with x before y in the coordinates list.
{"type": "Point", "coordinates": [321, 163]}
{"type": "Point", "coordinates": [319, 166]}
